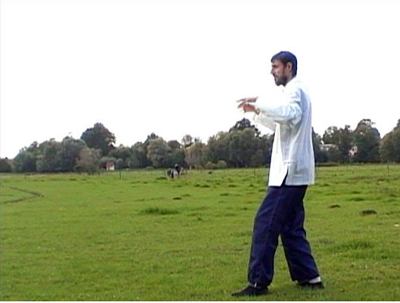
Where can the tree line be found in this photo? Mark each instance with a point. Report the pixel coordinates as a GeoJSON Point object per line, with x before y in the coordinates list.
{"type": "Point", "coordinates": [241, 146]}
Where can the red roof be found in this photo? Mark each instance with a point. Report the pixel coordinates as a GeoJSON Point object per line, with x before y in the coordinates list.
{"type": "Point", "coordinates": [109, 164]}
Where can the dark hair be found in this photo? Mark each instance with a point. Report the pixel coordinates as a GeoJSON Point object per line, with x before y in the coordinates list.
{"type": "Point", "coordinates": [286, 57]}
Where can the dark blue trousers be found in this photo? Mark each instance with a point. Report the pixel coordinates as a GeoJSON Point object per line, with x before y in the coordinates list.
{"type": "Point", "coordinates": [281, 214]}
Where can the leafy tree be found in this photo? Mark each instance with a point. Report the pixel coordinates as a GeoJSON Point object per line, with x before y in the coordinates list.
{"type": "Point", "coordinates": [345, 143]}
{"type": "Point", "coordinates": [34, 148]}
{"type": "Point", "coordinates": [194, 155]}
{"type": "Point", "coordinates": [257, 160]}
{"type": "Point", "coordinates": [124, 153]}
{"type": "Point", "coordinates": [187, 141]}
{"type": "Point", "coordinates": [367, 139]}
{"type": "Point", "coordinates": [210, 165]}
{"type": "Point", "coordinates": [69, 153]}
{"type": "Point", "coordinates": [390, 148]}
{"type": "Point", "coordinates": [120, 164]}
{"type": "Point", "coordinates": [147, 161]}
{"type": "Point", "coordinates": [266, 143]}
{"type": "Point", "coordinates": [174, 145]}
{"type": "Point", "coordinates": [49, 159]}
{"type": "Point", "coordinates": [221, 164]}
{"type": "Point", "coordinates": [138, 157]}
{"type": "Point", "coordinates": [243, 124]}
{"type": "Point", "coordinates": [121, 152]}
{"type": "Point", "coordinates": [319, 155]}
{"type": "Point", "coordinates": [25, 161]}
{"type": "Point", "coordinates": [343, 139]}
{"type": "Point", "coordinates": [157, 152]}
{"type": "Point", "coordinates": [89, 161]}
{"type": "Point", "coordinates": [176, 156]}
{"type": "Point", "coordinates": [5, 165]}
{"type": "Point", "coordinates": [99, 137]}
{"type": "Point", "coordinates": [243, 145]}
{"type": "Point", "coordinates": [334, 155]}
{"type": "Point", "coordinates": [331, 135]}
{"type": "Point", "coordinates": [217, 148]}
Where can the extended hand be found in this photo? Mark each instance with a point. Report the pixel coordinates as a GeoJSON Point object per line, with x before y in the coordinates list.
{"type": "Point", "coordinates": [246, 105]}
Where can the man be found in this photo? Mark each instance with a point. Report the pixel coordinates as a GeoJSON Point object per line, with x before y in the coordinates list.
{"type": "Point", "coordinates": [291, 171]}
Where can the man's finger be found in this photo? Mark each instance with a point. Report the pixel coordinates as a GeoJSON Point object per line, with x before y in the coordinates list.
{"type": "Point", "coordinates": [246, 100]}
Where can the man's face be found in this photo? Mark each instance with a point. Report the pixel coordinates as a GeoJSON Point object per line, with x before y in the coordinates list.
{"type": "Point", "coordinates": [281, 72]}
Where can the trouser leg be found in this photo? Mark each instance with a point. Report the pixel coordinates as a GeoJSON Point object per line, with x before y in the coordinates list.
{"type": "Point", "coordinates": [267, 227]}
{"type": "Point", "coordinates": [297, 249]}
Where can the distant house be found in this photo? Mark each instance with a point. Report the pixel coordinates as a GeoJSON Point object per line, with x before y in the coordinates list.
{"type": "Point", "coordinates": [110, 166]}
{"type": "Point", "coordinates": [328, 147]}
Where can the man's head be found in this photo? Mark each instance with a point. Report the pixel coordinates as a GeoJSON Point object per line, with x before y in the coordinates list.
{"type": "Point", "coordinates": [284, 67]}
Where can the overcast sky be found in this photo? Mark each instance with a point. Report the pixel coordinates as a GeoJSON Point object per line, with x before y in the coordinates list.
{"type": "Point", "coordinates": [177, 67]}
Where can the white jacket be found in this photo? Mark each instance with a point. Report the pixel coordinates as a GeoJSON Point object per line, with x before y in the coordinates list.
{"type": "Point", "coordinates": [290, 118]}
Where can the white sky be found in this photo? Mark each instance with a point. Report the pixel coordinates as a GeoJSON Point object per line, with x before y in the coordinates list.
{"type": "Point", "coordinates": [177, 67]}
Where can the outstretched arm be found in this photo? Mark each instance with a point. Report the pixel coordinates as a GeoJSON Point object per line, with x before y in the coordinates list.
{"type": "Point", "coordinates": [285, 112]}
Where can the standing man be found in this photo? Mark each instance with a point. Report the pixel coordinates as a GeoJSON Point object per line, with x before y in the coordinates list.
{"type": "Point", "coordinates": [291, 171]}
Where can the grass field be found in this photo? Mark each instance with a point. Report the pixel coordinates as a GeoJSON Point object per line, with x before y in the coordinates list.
{"type": "Point", "coordinates": [145, 237]}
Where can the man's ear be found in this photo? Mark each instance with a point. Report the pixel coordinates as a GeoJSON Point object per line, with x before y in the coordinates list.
{"type": "Point", "coordinates": [289, 66]}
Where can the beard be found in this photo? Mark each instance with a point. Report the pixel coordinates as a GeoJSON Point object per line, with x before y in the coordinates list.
{"type": "Point", "coordinates": [282, 80]}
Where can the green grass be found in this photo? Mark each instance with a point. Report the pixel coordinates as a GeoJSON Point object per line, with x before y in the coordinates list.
{"type": "Point", "coordinates": [144, 237]}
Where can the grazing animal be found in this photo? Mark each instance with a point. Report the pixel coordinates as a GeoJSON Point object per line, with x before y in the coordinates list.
{"type": "Point", "coordinates": [174, 172]}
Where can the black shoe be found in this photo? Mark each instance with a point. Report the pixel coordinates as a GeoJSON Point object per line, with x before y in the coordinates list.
{"type": "Point", "coordinates": [251, 291]}
{"type": "Point", "coordinates": [317, 285]}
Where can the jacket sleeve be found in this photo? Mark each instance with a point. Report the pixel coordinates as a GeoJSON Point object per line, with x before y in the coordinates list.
{"type": "Point", "coordinates": [287, 111]}
{"type": "Point", "coordinates": [264, 120]}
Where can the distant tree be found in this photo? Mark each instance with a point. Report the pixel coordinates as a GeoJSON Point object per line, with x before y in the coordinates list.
{"type": "Point", "coordinates": [134, 162]}
{"type": "Point", "coordinates": [174, 145]}
{"type": "Point", "coordinates": [221, 164]}
{"type": "Point", "coordinates": [187, 141]}
{"type": "Point", "coordinates": [5, 165]}
{"type": "Point", "coordinates": [343, 139]}
{"type": "Point", "coordinates": [122, 152]}
{"type": "Point", "coordinates": [217, 148]}
{"type": "Point", "coordinates": [120, 164]}
{"type": "Point", "coordinates": [243, 124]}
{"type": "Point", "coordinates": [334, 155]}
{"type": "Point", "coordinates": [319, 155]}
{"type": "Point", "coordinates": [345, 143]}
{"type": "Point", "coordinates": [150, 137]}
{"type": "Point", "coordinates": [138, 157]}
{"type": "Point", "coordinates": [257, 160]}
{"type": "Point", "coordinates": [34, 148]}
{"type": "Point", "coordinates": [25, 161]}
{"type": "Point", "coordinates": [99, 137]}
{"type": "Point", "coordinates": [69, 153]}
{"type": "Point", "coordinates": [266, 143]}
{"type": "Point", "coordinates": [157, 152]}
{"type": "Point", "coordinates": [174, 156]}
{"type": "Point", "coordinates": [390, 148]}
{"type": "Point", "coordinates": [49, 159]}
{"type": "Point", "coordinates": [331, 135]}
{"type": "Point", "coordinates": [243, 145]}
{"type": "Point", "coordinates": [89, 161]}
{"type": "Point", "coordinates": [367, 139]}
{"type": "Point", "coordinates": [210, 165]}
{"type": "Point", "coordinates": [194, 155]}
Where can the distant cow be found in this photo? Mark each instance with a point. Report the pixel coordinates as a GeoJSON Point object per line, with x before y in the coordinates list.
{"type": "Point", "coordinates": [174, 172]}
